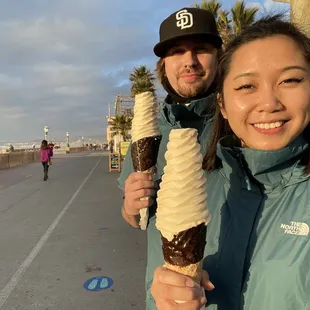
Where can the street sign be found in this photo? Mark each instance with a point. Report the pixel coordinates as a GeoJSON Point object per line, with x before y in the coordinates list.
{"type": "Point", "coordinates": [114, 162]}
{"type": "Point", "coordinates": [124, 147]}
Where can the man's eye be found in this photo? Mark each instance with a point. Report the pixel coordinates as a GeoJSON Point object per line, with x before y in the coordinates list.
{"type": "Point", "coordinates": [203, 50]}
{"type": "Point", "coordinates": [176, 52]}
{"type": "Point", "coordinates": [246, 86]}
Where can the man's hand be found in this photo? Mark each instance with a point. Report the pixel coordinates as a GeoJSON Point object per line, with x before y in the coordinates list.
{"type": "Point", "coordinates": [169, 286]}
{"type": "Point", "coordinates": [137, 186]}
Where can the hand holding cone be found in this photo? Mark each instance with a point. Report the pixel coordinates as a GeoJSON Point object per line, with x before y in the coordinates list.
{"type": "Point", "coordinates": [145, 140]}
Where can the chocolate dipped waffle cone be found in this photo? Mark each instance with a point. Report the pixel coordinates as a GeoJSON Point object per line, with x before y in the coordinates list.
{"type": "Point", "coordinates": [182, 214]}
{"type": "Point", "coordinates": [184, 253]}
{"type": "Point", "coordinates": [145, 140]}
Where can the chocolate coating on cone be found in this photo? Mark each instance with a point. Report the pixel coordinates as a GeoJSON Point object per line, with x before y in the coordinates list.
{"type": "Point", "coordinates": [144, 153]}
{"type": "Point", "coordinates": [187, 247]}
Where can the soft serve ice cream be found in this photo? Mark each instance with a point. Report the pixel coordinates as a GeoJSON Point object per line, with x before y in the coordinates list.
{"type": "Point", "coordinates": [145, 139]}
{"type": "Point", "coordinates": [145, 121]}
{"type": "Point", "coordinates": [182, 213]}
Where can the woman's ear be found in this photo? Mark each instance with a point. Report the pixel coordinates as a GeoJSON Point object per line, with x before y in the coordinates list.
{"type": "Point", "coordinates": [220, 102]}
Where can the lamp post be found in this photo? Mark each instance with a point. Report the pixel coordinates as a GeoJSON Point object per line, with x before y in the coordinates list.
{"type": "Point", "coordinates": [46, 129]}
{"type": "Point", "coordinates": [300, 13]}
{"type": "Point", "coordinates": [68, 143]}
{"type": "Point", "coordinates": [82, 141]}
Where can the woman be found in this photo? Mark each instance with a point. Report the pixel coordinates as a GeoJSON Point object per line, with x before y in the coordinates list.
{"type": "Point", "coordinates": [46, 154]}
{"type": "Point", "coordinates": [258, 169]}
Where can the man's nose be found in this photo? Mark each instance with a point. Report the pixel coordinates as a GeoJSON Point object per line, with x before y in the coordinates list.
{"type": "Point", "coordinates": [190, 59]}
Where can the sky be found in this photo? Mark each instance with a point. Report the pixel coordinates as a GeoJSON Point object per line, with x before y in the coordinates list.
{"type": "Point", "coordinates": [63, 61]}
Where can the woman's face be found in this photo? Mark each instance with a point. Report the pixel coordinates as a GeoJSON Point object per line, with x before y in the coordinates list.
{"type": "Point", "coordinates": [266, 94]}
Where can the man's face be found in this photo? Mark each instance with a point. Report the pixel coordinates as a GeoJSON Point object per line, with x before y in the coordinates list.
{"type": "Point", "coordinates": [191, 67]}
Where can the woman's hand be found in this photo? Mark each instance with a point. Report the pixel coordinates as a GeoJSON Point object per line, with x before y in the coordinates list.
{"type": "Point", "coordinates": [169, 286]}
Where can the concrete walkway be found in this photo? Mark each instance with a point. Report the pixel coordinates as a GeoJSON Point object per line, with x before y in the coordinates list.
{"type": "Point", "coordinates": [56, 235]}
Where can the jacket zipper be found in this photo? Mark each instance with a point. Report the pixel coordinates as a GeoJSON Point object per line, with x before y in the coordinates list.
{"type": "Point", "coordinates": [240, 160]}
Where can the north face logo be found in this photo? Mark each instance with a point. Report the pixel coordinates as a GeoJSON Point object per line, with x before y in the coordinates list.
{"type": "Point", "coordinates": [296, 228]}
{"type": "Point", "coordinates": [184, 19]}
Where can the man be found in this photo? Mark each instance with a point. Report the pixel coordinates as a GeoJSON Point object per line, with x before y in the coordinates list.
{"type": "Point", "coordinates": [188, 49]}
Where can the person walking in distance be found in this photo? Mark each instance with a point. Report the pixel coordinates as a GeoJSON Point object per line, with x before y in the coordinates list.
{"type": "Point", "coordinates": [46, 154]}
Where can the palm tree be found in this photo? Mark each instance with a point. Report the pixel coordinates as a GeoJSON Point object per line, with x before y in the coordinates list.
{"type": "Point", "coordinates": [142, 80]}
{"type": "Point", "coordinates": [141, 86]}
{"type": "Point", "coordinates": [230, 22]}
{"type": "Point", "coordinates": [121, 125]}
{"type": "Point", "coordinates": [242, 16]}
{"type": "Point", "coordinates": [141, 73]}
{"type": "Point", "coordinates": [212, 5]}
{"type": "Point", "coordinates": [224, 26]}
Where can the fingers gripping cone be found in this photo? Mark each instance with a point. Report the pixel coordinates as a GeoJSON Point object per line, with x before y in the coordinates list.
{"type": "Point", "coordinates": [193, 271]}
{"type": "Point", "coordinates": [182, 213]}
{"type": "Point", "coordinates": [145, 140]}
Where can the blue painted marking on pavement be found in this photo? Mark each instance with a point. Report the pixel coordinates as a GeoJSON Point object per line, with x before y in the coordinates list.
{"type": "Point", "coordinates": [98, 283]}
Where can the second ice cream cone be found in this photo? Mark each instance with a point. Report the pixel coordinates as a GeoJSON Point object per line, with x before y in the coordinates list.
{"type": "Point", "coordinates": [145, 140]}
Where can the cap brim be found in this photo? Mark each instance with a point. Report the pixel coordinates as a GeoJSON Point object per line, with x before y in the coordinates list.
{"type": "Point", "coordinates": [161, 48]}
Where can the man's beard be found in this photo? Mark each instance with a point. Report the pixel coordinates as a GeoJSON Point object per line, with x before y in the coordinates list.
{"type": "Point", "coordinates": [192, 90]}
{"type": "Point", "coordinates": [195, 88]}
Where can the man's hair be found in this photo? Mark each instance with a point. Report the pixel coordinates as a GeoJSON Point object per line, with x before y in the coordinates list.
{"type": "Point", "coordinates": [160, 70]}
{"type": "Point", "coordinates": [266, 27]}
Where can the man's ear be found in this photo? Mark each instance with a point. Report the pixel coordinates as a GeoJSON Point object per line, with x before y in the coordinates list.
{"type": "Point", "coordinates": [220, 102]}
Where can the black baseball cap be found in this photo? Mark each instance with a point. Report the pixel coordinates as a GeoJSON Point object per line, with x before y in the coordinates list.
{"type": "Point", "coordinates": [187, 23]}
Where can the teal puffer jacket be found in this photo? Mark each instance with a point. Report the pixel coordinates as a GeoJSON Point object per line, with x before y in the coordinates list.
{"type": "Point", "coordinates": [258, 248]}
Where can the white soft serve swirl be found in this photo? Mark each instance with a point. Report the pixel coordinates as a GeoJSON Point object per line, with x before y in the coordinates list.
{"type": "Point", "coordinates": [145, 120]}
{"type": "Point", "coordinates": [182, 198]}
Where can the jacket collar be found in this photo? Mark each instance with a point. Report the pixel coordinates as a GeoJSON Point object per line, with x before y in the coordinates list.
{"type": "Point", "coordinates": [270, 169]}
{"type": "Point", "coordinates": [192, 111]}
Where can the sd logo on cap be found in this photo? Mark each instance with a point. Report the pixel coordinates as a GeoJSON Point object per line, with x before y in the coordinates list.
{"type": "Point", "coordinates": [187, 22]}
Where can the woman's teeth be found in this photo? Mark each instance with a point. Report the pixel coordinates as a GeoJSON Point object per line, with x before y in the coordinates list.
{"type": "Point", "coordinates": [269, 125]}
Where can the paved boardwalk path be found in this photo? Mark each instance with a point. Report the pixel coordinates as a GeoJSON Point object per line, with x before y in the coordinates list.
{"type": "Point", "coordinates": [56, 235]}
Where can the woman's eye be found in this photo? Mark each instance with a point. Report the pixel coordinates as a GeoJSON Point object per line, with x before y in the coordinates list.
{"type": "Point", "coordinates": [246, 86]}
{"type": "Point", "coordinates": [292, 80]}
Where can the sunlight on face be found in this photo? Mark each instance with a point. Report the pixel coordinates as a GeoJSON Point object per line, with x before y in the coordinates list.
{"type": "Point", "coordinates": [267, 93]}
{"type": "Point", "coordinates": [191, 67]}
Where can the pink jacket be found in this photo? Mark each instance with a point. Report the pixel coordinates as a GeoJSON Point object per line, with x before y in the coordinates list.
{"type": "Point", "coordinates": [46, 154]}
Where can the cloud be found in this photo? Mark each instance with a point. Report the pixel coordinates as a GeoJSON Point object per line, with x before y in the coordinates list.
{"type": "Point", "coordinates": [63, 61]}
{"type": "Point", "coordinates": [254, 5]}
{"type": "Point", "coordinates": [270, 6]}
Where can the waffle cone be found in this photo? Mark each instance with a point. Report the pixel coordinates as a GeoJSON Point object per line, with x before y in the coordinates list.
{"type": "Point", "coordinates": [144, 213]}
{"type": "Point", "coordinates": [144, 153]}
{"type": "Point", "coordinates": [193, 271]}
{"type": "Point", "coordinates": [144, 156]}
